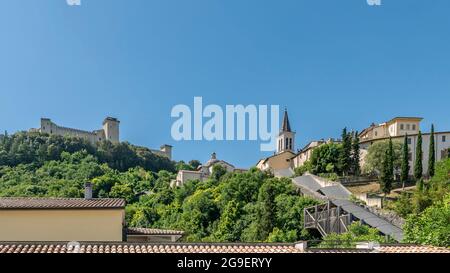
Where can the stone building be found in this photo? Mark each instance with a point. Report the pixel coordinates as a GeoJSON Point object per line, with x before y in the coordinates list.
{"type": "Point", "coordinates": [203, 171]}
{"type": "Point", "coordinates": [396, 129]}
{"type": "Point", "coordinates": [109, 131]}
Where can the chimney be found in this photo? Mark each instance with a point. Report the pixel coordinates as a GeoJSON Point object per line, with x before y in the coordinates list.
{"type": "Point", "coordinates": [302, 246]}
{"type": "Point", "coordinates": [88, 190]}
{"type": "Point", "coordinates": [367, 245]}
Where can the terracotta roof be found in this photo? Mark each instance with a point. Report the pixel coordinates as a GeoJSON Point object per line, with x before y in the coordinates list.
{"type": "Point", "coordinates": [48, 247]}
{"type": "Point", "coordinates": [36, 247]}
{"type": "Point", "coordinates": [398, 248]}
{"type": "Point", "coordinates": [395, 118]}
{"type": "Point", "coordinates": [274, 155]}
{"type": "Point", "coordinates": [412, 249]}
{"type": "Point", "coordinates": [152, 231]}
{"type": "Point", "coordinates": [60, 203]}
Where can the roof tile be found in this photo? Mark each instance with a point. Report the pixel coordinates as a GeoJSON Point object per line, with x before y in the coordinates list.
{"type": "Point", "coordinates": [59, 203]}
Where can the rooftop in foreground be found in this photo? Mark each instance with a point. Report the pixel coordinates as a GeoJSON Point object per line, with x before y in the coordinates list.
{"type": "Point", "coordinates": [60, 203]}
{"type": "Point", "coordinates": [86, 247]}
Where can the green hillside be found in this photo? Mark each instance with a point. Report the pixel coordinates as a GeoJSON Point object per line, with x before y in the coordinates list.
{"type": "Point", "coordinates": [251, 206]}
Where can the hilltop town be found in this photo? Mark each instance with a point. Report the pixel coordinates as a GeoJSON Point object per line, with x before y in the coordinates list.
{"type": "Point", "coordinates": [326, 190]}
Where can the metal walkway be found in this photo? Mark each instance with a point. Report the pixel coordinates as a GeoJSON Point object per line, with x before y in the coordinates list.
{"type": "Point", "coordinates": [338, 212]}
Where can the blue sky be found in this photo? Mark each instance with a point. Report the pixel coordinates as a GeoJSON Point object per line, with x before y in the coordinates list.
{"type": "Point", "coordinates": [331, 63]}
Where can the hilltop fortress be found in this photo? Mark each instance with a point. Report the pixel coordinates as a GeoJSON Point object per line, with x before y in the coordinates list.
{"type": "Point", "coordinates": [109, 131]}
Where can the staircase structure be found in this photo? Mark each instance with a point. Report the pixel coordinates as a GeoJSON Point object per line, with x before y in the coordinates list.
{"type": "Point", "coordinates": [338, 212]}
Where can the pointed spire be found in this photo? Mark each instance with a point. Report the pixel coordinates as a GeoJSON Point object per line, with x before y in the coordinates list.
{"type": "Point", "coordinates": [286, 126]}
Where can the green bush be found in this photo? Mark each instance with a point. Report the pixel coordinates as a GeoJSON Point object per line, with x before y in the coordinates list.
{"type": "Point", "coordinates": [430, 227]}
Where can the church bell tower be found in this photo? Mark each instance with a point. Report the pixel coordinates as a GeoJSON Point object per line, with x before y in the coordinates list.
{"type": "Point", "coordinates": [286, 137]}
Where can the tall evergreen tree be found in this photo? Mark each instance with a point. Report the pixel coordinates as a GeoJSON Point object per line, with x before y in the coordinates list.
{"type": "Point", "coordinates": [391, 158]}
{"type": "Point", "coordinates": [432, 154]}
{"type": "Point", "coordinates": [405, 162]}
{"type": "Point", "coordinates": [266, 212]}
{"type": "Point", "coordinates": [355, 154]}
{"type": "Point", "coordinates": [345, 156]}
{"type": "Point", "coordinates": [418, 168]}
{"type": "Point", "coordinates": [386, 174]}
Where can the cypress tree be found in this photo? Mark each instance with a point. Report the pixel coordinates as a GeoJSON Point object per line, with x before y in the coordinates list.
{"type": "Point", "coordinates": [345, 156]}
{"type": "Point", "coordinates": [405, 162]}
{"type": "Point", "coordinates": [432, 154]}
{"type": "Point", "coordinates": [418, 169]}
{"type": "Point", "coordinates": [355, 151]}
{"type": "Point", "coordinates": [386, 174]}
{"type": "Point", "coordinates": [266, 212]}
{"type": "Point", "coordinates": [420, 185]}
{"type": "Point", "coordinates": [391, 158]}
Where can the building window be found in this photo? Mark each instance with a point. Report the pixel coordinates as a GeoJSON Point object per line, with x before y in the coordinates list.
{"type": "Point", "coordinates": [402, 127]}
{"type": "Point", "coordinates": [376, 133]}
{"type": "Point", "coordinates": [286, 144]}
{"type": "Point", "coordinates": [410, 156]}
{"type": "Point", "coordinates": [408, 127]}
{"type": "Point", "coordinates": [444, 138]}
{"type": "Point", "coordinates": [409, 140]}
{"type": "Point", "coordinates": [414, 127]}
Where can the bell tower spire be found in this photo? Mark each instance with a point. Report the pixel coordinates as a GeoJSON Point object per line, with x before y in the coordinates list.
{"type": "Point", "coordinates": [286, 137]}
{"type": "Point", "coordinates": [286, 125]}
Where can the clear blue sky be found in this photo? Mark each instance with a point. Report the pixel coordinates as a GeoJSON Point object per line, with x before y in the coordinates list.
{"type": "Point", "coordinates": [331, 63]}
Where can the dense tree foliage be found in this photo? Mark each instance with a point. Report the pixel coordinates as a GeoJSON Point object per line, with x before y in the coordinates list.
{"type": "Point", "coordinates": [426, 209]}
{"type": "Point", "coordinates": [376, 154]}
{"type": "Point", "coordinates": [36, 149]}
{"type": "Point", "coordinates": [356, 233]}
{"type": "Point", "coordinates": [251, 206]}
{"type": "Point", "coordinates": [326, 158]}
{"type": "Point", "coordinates": [333, 159]}
{"type": "Point", "coordinates": [432, 226]}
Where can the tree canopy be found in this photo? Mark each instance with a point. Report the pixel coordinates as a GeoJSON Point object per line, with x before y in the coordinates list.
{"type": "Point", "coordinates": [377, 153]}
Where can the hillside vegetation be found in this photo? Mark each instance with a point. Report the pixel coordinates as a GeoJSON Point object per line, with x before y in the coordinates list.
{"type": "Point", "coordinates": [251, 206]}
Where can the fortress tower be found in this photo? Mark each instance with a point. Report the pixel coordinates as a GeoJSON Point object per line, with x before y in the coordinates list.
{"type": "Point", "coordinates": [111, 129]}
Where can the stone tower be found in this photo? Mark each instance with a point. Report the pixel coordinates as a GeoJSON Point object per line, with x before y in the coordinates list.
{"type": "Point", "coordinates": [167, 150]}
{"type": "Point", "coordinates": [286, 138]}
{"type": "Point", "coordinates": [111, 129]}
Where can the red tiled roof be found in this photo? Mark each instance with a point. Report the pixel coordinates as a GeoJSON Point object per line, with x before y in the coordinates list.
{"type": "Point", "coordinates": [152, 231]}
{"type": "Point", "coordinates": [46, 247]}
{"type": "Point", "coordinates": [60, 203]}
{"type": "Point", "coordinates": [412, 249]}
{"type": "Point", "coordinates": [145, 248]}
